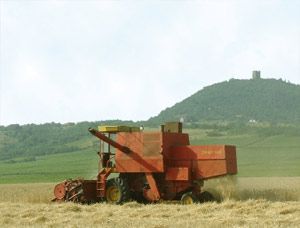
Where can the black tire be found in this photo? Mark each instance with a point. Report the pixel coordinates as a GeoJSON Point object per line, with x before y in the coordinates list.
{"type": "Point", "coordinates": [206, 197]}
{"type": "Point", "coordinates": [189, 198]}
{"type": "Point", "coordinates": [117, 191]}
{"type": "Point", "coordinates": [139, 197]}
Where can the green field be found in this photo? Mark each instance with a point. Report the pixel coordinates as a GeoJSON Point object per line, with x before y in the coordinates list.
{"type": "Point", "coordinates": [51, 168]}
{"type": "Point", "coordinates": [258, 156]}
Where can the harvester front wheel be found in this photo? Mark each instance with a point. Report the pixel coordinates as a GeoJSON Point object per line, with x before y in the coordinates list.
{"type": "Point", "coordinates": [117, 191]}
{"type": "Point", "coordinates": [189, 198]}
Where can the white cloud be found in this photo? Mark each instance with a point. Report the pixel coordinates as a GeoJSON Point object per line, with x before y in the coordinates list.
{"type": "Point", "coordinates": [63, 61]}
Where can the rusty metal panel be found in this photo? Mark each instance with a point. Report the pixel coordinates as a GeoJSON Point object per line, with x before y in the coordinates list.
{"type": "Point", "coordinates": [205, 161]}
{"type": "Point", "coordinates": [152, 194]}
{"type": "Point", "coordinates": [140, 165]}
{"type": "Point", "coordinates": [200, 152]}
{"type": "Point", "coordinates": [152, 144]}
{"type": "Point", "coordinates": [145, 155]}
{"type": "Point", "coordinates": [131, 140]}
{"type": "Point", "coordinates": [178, 174]}
{"type": "Point", "coordinates": [231, 161]}
{"type": "Point", "coordinates": [209, 168]}
{"type": "Point", "coordinates": [173, 140]}
{"type": "Point", "coordinates": [179, 163]}
{"type": "Point", "coordinates": [89, 190]}
{"type": "Point", "coordinates": [151, 149]}
{"type": "Point", "coordinates": [152, 136]}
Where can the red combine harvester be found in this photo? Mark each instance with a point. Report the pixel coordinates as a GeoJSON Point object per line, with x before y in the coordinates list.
{"type": "Point", "coordinates": [149, 166]}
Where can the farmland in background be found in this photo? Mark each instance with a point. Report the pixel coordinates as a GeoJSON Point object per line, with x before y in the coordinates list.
{"type": "Point", "coordinates": [261, 151]}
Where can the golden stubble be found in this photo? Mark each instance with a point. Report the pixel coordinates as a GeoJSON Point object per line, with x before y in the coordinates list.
{"type": "Point", "coordinates": [244, 202]}
{"type": "Point", "coordinates": [229, 213]}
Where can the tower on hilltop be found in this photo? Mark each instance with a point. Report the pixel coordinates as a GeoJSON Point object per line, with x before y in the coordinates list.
{"type": "Point", "coordinates": [256, 74]}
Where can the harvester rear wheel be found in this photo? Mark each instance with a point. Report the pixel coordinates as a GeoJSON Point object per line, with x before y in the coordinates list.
{"type": "Point", "coordinates": [206, 197]}
{"type": "Point", "coordinates": [117, 191]}
{"type": "Point", "coordinates": [189, 198]}
{"type": "Point", "coordinates": [139, 197]}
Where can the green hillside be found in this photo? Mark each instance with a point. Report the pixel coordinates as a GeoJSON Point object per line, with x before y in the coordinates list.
{"type": "Point", "coordinates": [25, 142]}
{"type": "Point", "coordinates": [261, 100]}
{"type": "Point", "coordinates": [268, 145]}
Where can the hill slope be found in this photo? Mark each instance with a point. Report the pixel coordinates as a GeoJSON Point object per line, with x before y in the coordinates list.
{"type": "Point", "coordinates": [35, 153]}
{"type": "Point", "coordinates": [239, 100]}
{"type": "Point", "coordinates": [25, 142]}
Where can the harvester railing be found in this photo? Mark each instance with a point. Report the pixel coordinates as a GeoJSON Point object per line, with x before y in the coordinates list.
{"type": "Point", "coordinates": [108, 140]}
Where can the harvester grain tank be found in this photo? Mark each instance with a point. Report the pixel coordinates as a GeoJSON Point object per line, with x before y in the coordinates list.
{"type": "Point", "coordinates": [150, 166]}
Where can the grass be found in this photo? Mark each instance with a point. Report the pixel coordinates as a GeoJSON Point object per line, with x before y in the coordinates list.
{"type": "Point", "coordinates": [246, 202]}
{"type": "Point", "coordinates": [51, 168]}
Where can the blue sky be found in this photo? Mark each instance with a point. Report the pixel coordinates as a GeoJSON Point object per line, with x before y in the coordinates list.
{"type": "Point", "coordinates": [70, 61]}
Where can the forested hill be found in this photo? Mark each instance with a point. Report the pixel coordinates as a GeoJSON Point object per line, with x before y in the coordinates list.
{"type": "Point", "coordinates": [263, 100]}
{"type": "Point", "coordinates": [25, 142]}
{"type": "Point", "coordinates": [235, 101]}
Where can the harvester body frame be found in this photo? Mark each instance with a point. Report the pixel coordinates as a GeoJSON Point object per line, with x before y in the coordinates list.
{"type": "Point", "coordinates": [157, 165]}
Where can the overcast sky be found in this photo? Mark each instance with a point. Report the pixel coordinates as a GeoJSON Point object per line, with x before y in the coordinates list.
{"type": "Point", "coordinates": [71, 61]}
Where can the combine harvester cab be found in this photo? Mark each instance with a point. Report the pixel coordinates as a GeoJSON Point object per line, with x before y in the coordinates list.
{"type": "Point", "coordinates": [149, 167]}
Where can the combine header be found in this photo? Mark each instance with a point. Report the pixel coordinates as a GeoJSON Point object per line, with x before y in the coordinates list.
{"type": "Point", "coordinates": [149, 166]}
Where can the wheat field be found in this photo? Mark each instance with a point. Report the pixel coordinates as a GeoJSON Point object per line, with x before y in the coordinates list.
{"type": "Point", "coordinates": [243, 202]}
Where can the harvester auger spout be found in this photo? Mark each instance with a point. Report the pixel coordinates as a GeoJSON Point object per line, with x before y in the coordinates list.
{"type": "Point", "coordinates": [150, 167]}
{"type": "Point", "coordinates": [106, 139]}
